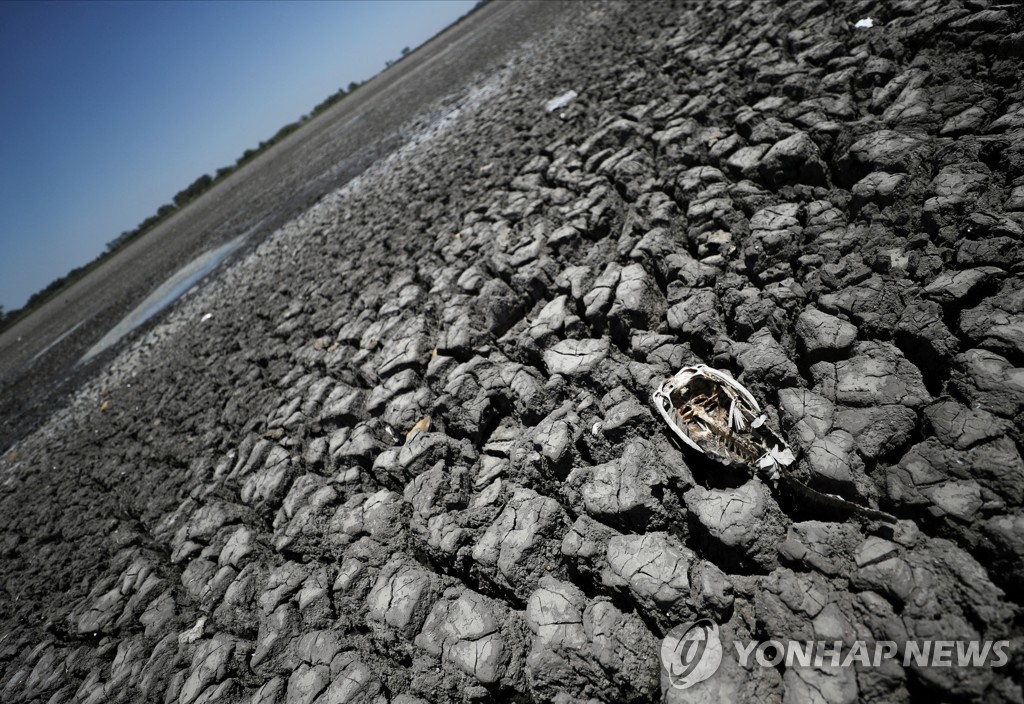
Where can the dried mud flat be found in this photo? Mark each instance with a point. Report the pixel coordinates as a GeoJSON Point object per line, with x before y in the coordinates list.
{"type": "Point", "coordinates": [233, 511]}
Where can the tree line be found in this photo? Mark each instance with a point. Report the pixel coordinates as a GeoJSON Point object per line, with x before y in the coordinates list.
{"type": "Point", "coordinates": [205, 182]}
{"type": "Point", "coordinates": [188, 194]}
{"type": "Point", "coordinates": [182, 198]}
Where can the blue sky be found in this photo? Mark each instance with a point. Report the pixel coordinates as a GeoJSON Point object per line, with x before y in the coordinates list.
{"type": "Point", "coordinates": [107, 109]}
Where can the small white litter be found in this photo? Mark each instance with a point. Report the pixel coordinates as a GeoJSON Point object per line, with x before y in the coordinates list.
{"type": "Point", "coordinates": [866, 23]}
{"type": "Point", "coordinates": [206, 317]}
{"type": "Point", "coordinates": [193, 634]}
{"type": "Point", "coordinates": [561, 101]}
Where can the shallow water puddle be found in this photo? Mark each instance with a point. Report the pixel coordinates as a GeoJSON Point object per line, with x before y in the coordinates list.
{"type": "Point", "coordinates": [168, 292]}
{"type": "Point", "coordinates": [64, 335]}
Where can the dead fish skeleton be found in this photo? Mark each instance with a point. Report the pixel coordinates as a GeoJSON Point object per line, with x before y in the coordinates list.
{"type": "Point", "coordinates": [714, 414]}
{"type": "Point", "coordinates": [717, 416]}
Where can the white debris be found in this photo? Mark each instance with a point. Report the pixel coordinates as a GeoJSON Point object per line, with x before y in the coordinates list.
{"type": "Point", "coordinates": [866, 23]}
{"type": "Point", "coordinates": [193, 634]}
{"type": "Point", "coordinates": [596, 429]}
{"type": "Point", "coordinates": [716, 415]}
{"type": "Point", "coordinates": [206, 317]}
{"type": "Point", "coordinates": [561, 101]}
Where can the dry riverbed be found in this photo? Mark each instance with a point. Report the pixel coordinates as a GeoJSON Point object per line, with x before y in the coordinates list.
{"type": "Point", "coordinates": [246, 505]}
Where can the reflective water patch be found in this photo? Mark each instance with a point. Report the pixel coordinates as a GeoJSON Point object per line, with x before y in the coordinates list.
{"type": "Point", "coordinates": [168, 292]}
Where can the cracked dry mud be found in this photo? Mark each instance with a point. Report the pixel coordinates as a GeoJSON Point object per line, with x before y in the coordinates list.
{"type": "Point", "coordinates": [231, 512]}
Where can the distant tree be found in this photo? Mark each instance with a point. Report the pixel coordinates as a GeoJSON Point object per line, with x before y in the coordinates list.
{"type": "Point", "coordinates": [165, 210]}
{"type": "Point", "coordinates": [405, 51]}
{"type": "Point", "coordinates": [2, 314]}
{"type": "Point", "coordinates": [194, 190]}
{"type": "Point", "coordinates": [353, 85]}
{"type": "Point", "coordinates": [148, 223]}
{"type": "Point", "coordinates": [283, 132]}
{"type": "Point", "coordinates": [246, 156]}
{"type": "Point", "coordinates": [331, 100]}
{"type": "Point", "coordinates": [119, 240]}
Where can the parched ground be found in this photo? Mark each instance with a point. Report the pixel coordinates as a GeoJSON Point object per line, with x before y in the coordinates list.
{"type": "Point", "coordinates": [39, 354]}
{"type": "Point", "coordinates": [245, 505]}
